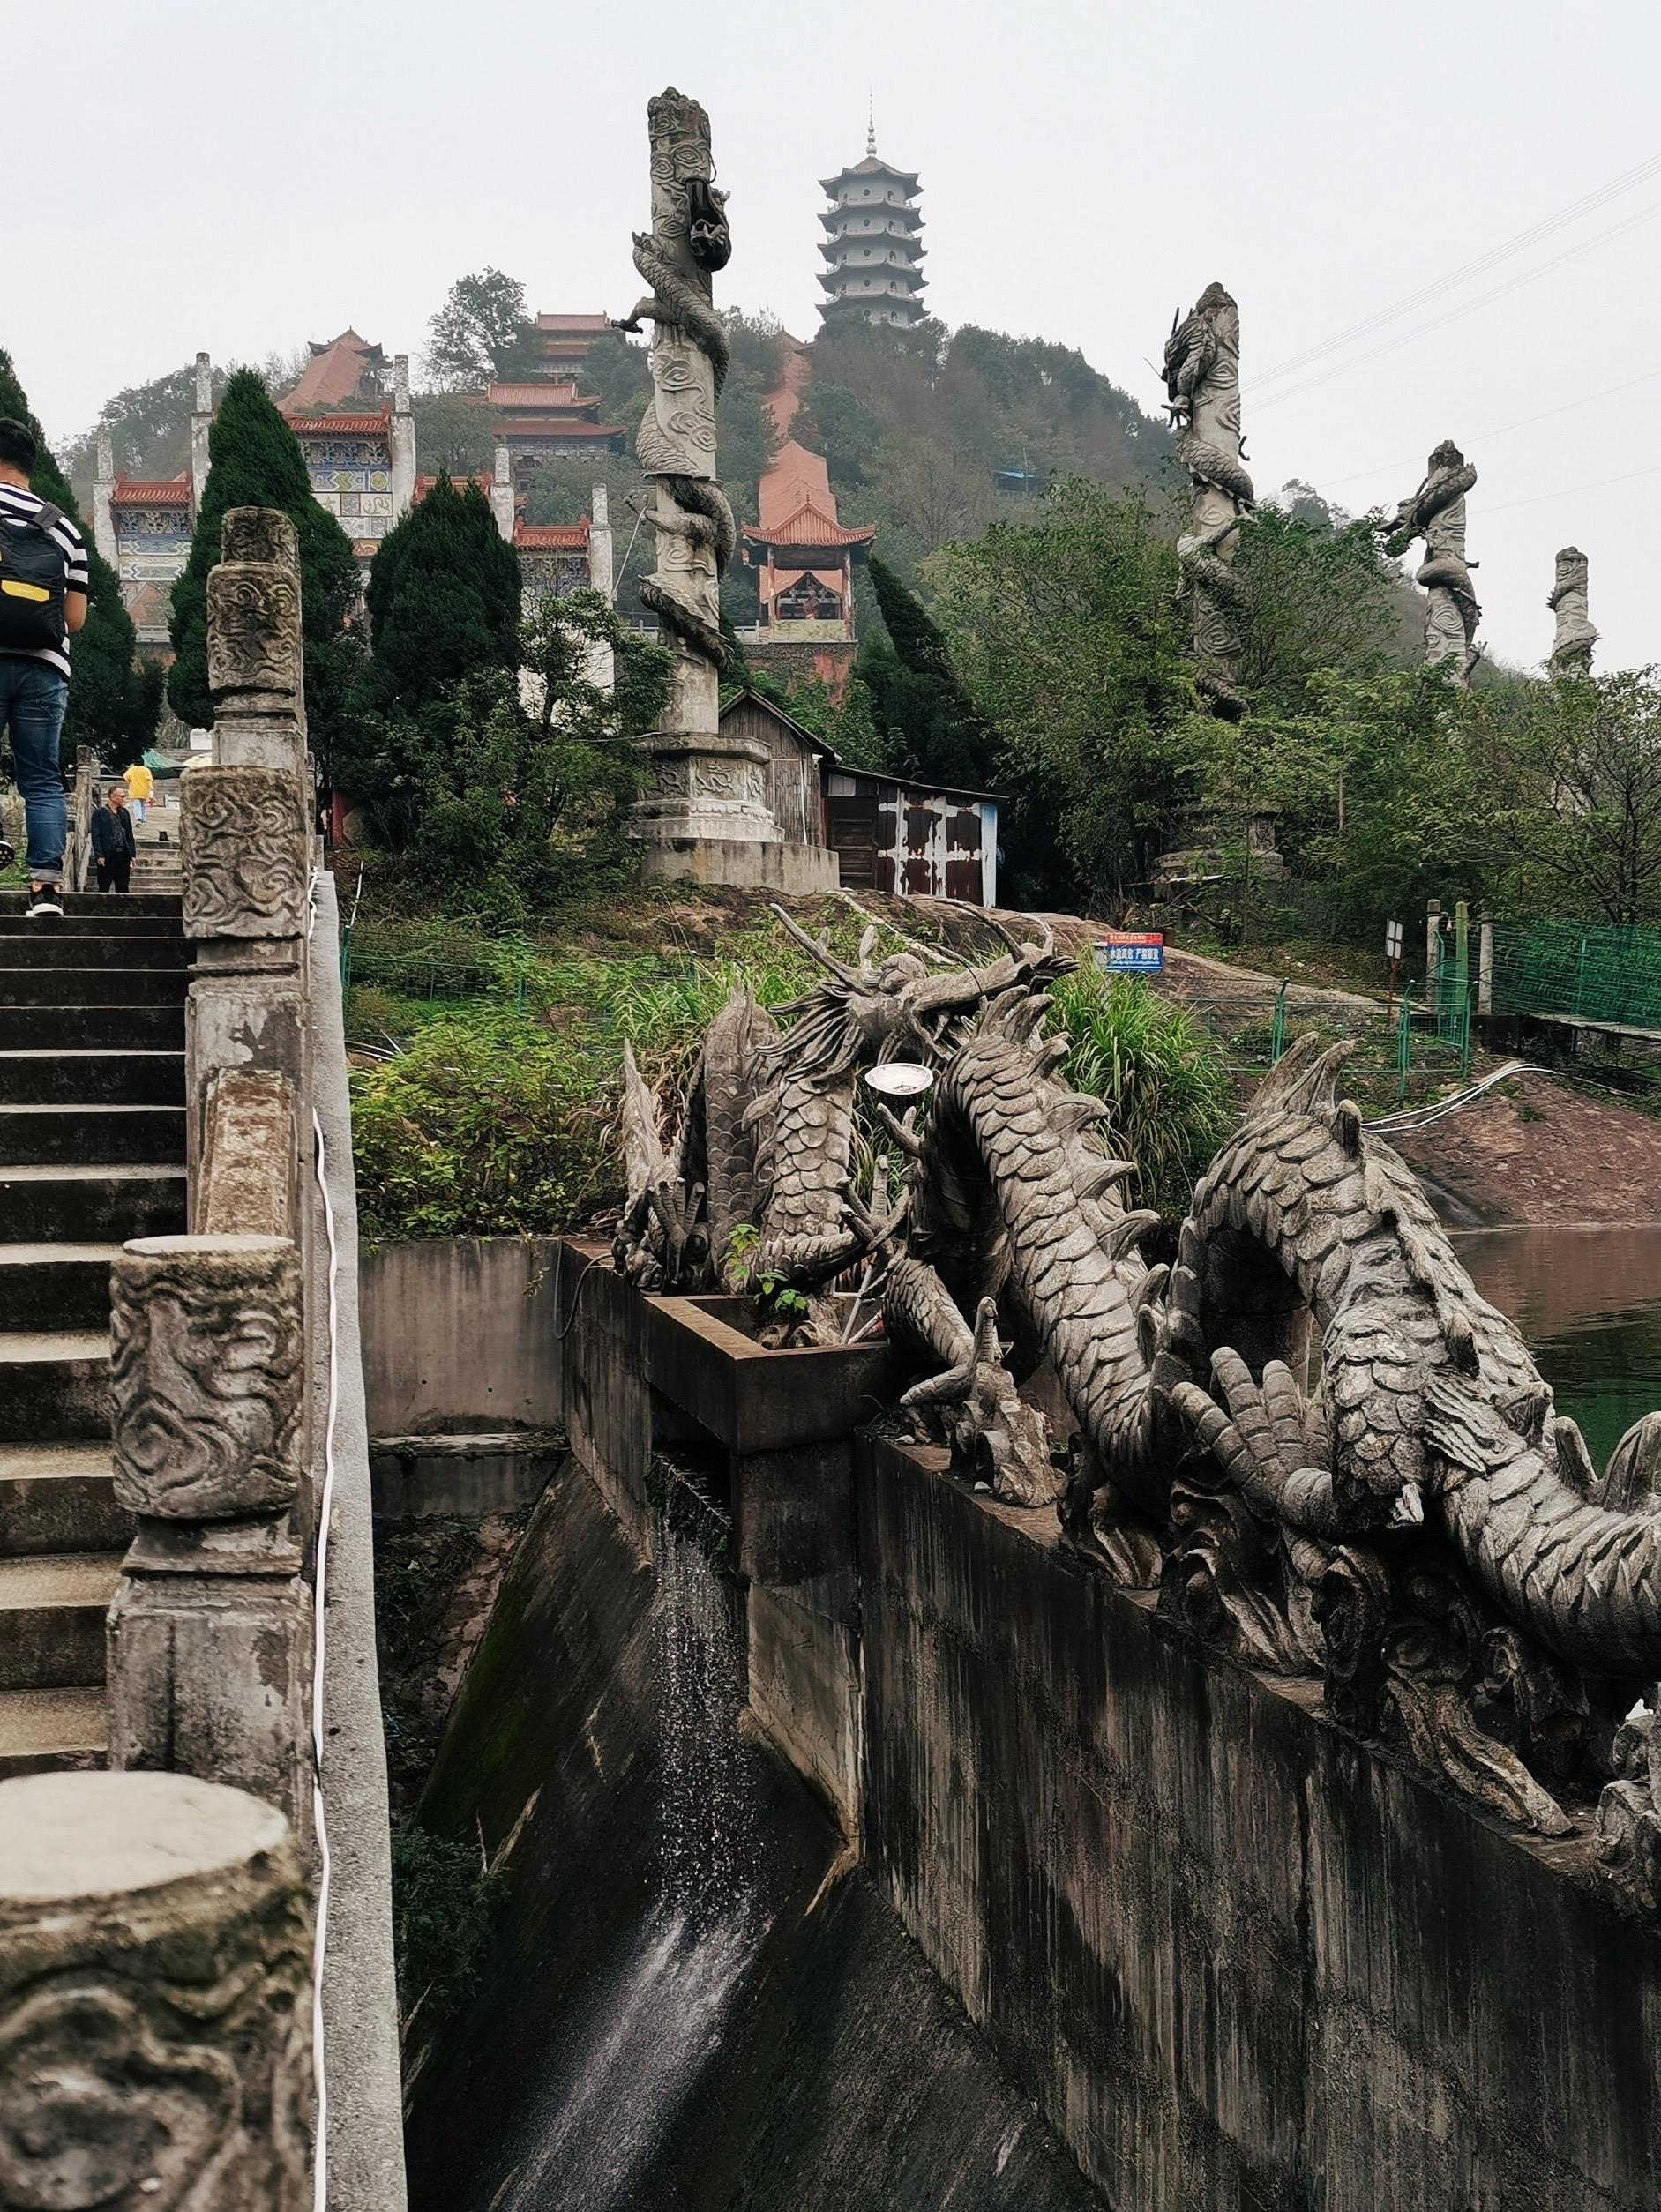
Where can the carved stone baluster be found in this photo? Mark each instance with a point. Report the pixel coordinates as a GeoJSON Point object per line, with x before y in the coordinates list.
{"type": "Point", "coordinates": [246, 857]}
{"type": "Point", "coordinates": [209, 1635]}
{"type": "Point", "coordinates": [155, 2013]}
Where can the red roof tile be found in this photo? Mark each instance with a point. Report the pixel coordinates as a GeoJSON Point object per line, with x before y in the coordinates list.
{"type": "Point", "coordinates": [573, 322]}
{"type": "Point", "coordinates": [338, 425]}
{"type": "Point", "coordinates": [808, 527]}
{"type": "Point", "coordinates": [546, 392]}
{"type": "Point", "coordinates": [130, 492]}
{"type": "Point", "coordinates": [424, 484]}
{"type": "Point", "coordinates": [552, 537]}
{"type": "Point", "coordinates": [333, 373]}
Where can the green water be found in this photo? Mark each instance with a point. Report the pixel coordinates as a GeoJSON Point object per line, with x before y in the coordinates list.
{"type": "Point", "coordinates": [1587, 1301]}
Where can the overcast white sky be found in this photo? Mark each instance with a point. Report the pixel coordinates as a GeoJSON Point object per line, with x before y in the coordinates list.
{"type": "Point", "coordinates": [242, 177]}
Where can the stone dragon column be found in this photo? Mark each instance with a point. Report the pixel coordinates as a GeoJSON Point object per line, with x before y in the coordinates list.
{"type": "Point", "coordinates": [1572, 648]}
{"type": "Point", "coordinates": [700, 785]}
{"type": "Point", "coordinates": [1436, 512]}
{"type": "Point", "coordinates": [1202, 383]}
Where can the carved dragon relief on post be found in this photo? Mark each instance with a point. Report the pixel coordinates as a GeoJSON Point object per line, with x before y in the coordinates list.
{"type": "Point", "coordinates": [1419, 1528]}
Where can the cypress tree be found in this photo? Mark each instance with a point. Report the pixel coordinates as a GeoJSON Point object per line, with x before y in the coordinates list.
{"type": "Point", "coordinates": [107, 705]}
{"type": "Point", "coordinates": [255, 461]}
{"type": "Point", "coordinates": [444, 602]}
{"type": "Point", "coordinates": [934, 728]}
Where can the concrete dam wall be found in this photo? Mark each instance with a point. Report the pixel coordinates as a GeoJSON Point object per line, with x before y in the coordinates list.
{"type": "Point", "coordinates": [1229, 1954]}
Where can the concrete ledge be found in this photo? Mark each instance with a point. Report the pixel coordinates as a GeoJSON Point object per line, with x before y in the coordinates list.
{"type": "Point", "coordinates": [1237, 1957]}
{"type": "Point", "coordinates": [774, 866]}
{"type": "Point", "coordinates": [463, 1478]}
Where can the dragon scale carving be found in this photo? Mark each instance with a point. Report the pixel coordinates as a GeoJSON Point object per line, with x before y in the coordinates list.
{"type": "Point", "coordinates": [1419, 1528]}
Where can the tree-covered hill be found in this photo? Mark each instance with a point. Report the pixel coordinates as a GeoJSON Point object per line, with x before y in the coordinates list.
{"type": "Point", "coordinates": [934, 434]}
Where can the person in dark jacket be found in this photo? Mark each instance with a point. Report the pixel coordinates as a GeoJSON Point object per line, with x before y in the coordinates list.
{"type": "Point", "coordinates": [113, 844]}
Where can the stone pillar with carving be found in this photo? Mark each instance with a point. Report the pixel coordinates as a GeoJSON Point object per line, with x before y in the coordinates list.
{"type": "Point", "coordinates": [403, 440]}
{"type": "Point", "coordinates": [201, 426]}
{"type": "Point", "coordinates": [104, 498]}
{"type": "Point", "coordinates": [502, 490]}
{"type": "Point", "coordinates": [700, 786]}
{"type": "Point", "coordinates": [1572, 648]}
{"type": "Point", "coordinates": [1202, 385]}
{"type": "Point", "coordinates": [1436, 512]}
{"type": "Point", "coordinates": [155, 2012]}
{"type": "Point", "coordinates": [246, 859]}
{"type": "Point", "coordinates": [210, 1634]}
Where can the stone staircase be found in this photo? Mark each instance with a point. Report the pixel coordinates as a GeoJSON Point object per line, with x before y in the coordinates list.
{"type": "Point", "coordinates": [92, 1152]}
{"type": "Point", "coordinates": [156, 868]}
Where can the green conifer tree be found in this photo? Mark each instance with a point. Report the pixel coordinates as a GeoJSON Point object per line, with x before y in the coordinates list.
{"type": "Point", "coordinates": [108, 708]}
{"type": "Point", "coordinates": [933, 727]}
{"type": "Point", "coordinates": [444, 601]}
{"type": "Point", "coordinates": [255, 461]}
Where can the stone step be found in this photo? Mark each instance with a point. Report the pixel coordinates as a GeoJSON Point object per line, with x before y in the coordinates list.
{"type": "Point", "coordinates": [59, 1497]}
{"type": "Point", "coordinates": [38, 1136]}
{"type": "Point", "coordinates": [50, 984]}
{"type": "Point", "coordinates": [89, 1028]}
{"type": "Point", "coordinates": [90, 906]}
{"type": "Point", "coordinates": [52, 1613]}
{"type": "Point", "coordinates": [44, 1729]}
{"type": "Point", "coordinates": [100, 1202]}
{"type": "Point", "coordinates": [144, 946]}
{"type": "Point", "coordinates": [111, 918]}
{"type": "Point", "coordinates": [53, 1387]}
{"type": "Point", "coordinates": [40, 1078]}
{"type": "Point", "coordinates": [55, 1286]}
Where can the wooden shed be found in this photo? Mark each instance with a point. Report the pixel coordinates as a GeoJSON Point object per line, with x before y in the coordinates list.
{"type": "Point", "coordinates": [888, 833]}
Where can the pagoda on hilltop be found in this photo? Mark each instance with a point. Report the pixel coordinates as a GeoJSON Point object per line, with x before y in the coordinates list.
{"type": "Point", "coordinates": [872, 252]}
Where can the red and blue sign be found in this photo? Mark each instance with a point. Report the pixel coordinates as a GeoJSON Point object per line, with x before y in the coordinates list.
{"type": "Point", "coordinates": [1131, 951]}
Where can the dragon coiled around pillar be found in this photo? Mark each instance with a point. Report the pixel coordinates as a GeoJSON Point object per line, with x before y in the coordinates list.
{"type": "Point", "coordinates": [1436, 512]}
{"type": "Point", "coordinates": [1202, 369]}
{"type": "Point", "coordinates": [1419, 1528]}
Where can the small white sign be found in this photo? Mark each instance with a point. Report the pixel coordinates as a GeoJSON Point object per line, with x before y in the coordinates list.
{"type": "Point", "coordinates": [1392, 940]}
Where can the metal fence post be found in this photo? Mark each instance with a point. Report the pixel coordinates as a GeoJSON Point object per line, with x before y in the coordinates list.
{"type": "Point", "coordinates": [1404, 1040]}
{"type": "Point", "coordinates": [1484, 966]}
{"type": "Point", "coordinates": [1277, 1040]}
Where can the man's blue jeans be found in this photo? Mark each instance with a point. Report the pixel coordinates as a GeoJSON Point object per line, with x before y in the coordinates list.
{"type": "Point", "coordinates": [33, 699]}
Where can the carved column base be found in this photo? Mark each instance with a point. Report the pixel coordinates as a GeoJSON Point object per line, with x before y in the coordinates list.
{"type": "Point", "coordinates": [705, 787]}
{"type": "Point", "coordinates": [210, 1674]}
{"type": "Point", "coordinates": [155, 2015]}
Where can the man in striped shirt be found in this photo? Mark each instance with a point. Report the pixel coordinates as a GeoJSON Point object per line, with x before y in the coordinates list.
{"type": "Point", "coordinates": [34, 678]}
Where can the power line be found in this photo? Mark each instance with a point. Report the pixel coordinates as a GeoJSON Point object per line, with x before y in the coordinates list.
{"type": "Point", "coordinates": [1421, 330]}
{"type": "Point", "coordinates": [1599, 483]}
{"type": "Point", "coordinates": [1523, 422]}
{"type": "Point", "coordinates": [1486, 260]}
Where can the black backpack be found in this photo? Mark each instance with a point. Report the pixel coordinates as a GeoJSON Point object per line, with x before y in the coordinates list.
{"type": "Point", "coordinates": [33, 571]}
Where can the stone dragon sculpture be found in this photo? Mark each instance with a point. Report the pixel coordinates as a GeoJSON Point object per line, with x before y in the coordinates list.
{"type": "Point", "coordinates": [691, 354]}
{"type": "Point", "coordinates": [1202, 387]}
{"type": "Point", "coordinates": [1419, 1528]}
{"type": "Point", "coordinates": [1436, 512]}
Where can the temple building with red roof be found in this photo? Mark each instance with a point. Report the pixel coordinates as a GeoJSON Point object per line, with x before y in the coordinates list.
{"type": "Point", "coordinates": [803, 553]}
{"type": "Point", "coordinates": [563, 342]}
{"type": "Point", "coordinates": [143, 526]}
{"type": "Point", "coordinates": [549, 418]}
{"type": "Point", "coordinates": [350, 412]}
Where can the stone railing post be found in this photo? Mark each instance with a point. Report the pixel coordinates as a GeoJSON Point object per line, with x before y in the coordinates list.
{"type": "Point", "coordinates": [155, 2012]}
{"type": "Point", "coordinates": [246, 839]}
{"type": "Point", "coordinates": [210, 1633]}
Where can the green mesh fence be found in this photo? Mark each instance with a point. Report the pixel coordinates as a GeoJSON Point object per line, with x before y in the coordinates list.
{"type": "Point", "coordinates": [1609, 976]}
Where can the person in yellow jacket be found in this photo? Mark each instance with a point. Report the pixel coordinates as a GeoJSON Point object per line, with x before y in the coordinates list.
{"type": "Point", "coordinates": [140, 783]}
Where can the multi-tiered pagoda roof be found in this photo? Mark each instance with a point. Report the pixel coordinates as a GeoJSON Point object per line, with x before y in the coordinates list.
{"type": "Point", "coordinates": [872, 252]}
